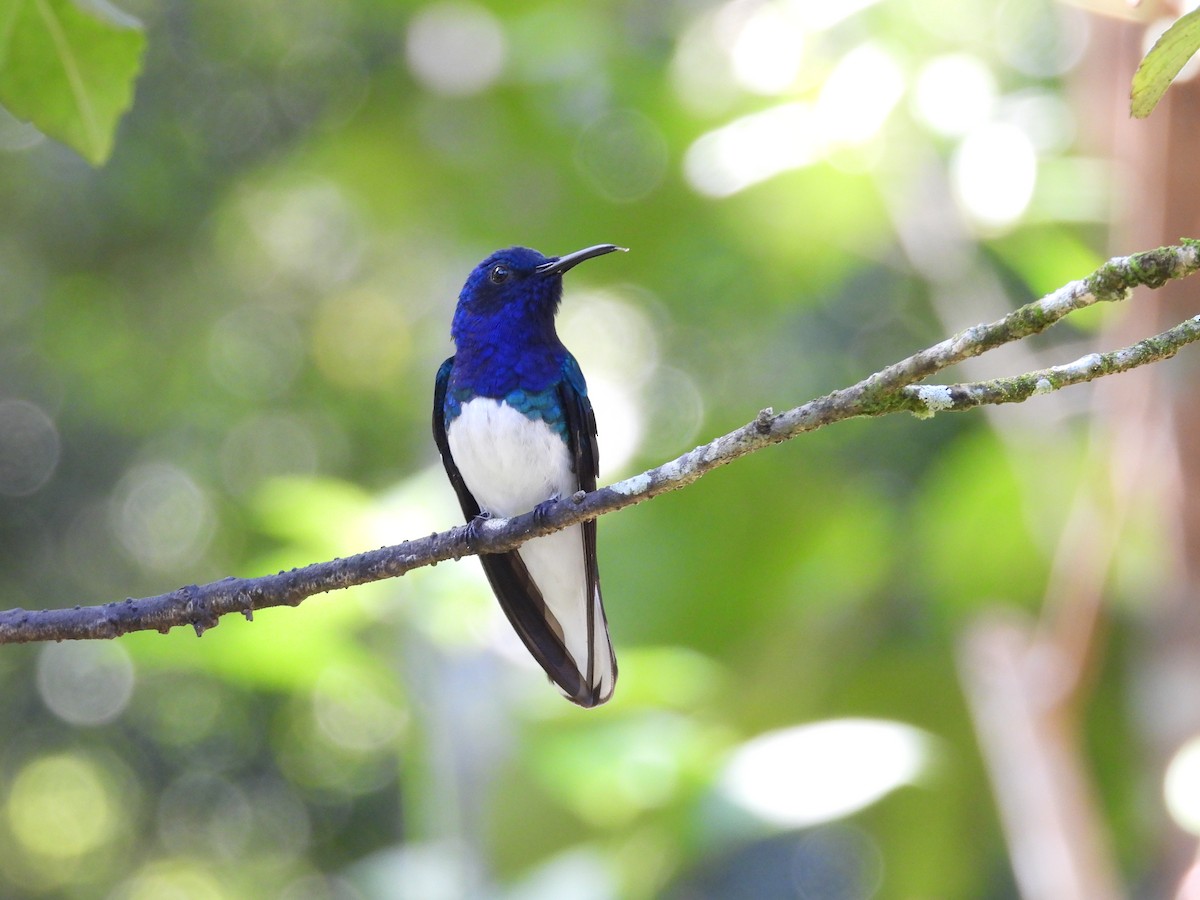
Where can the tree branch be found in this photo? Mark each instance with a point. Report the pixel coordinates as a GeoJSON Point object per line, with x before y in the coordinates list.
{"type": "Point", "coordinates": [887, 391]}
{"type": "Point", "coordinates": [926, 400]}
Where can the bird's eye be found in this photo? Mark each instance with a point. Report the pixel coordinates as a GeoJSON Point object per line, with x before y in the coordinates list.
{"type": "Point", "coordinates": [499, 273]}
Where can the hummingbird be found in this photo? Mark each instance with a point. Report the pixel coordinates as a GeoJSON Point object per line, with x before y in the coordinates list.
{"type": "Point", "coordinates": [515, 429]}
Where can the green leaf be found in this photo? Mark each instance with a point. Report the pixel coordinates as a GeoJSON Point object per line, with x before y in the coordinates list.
{"type": "Point", "coordinates": [68, 70]}
{"type": "Point", "coordinates": [1168, 55]}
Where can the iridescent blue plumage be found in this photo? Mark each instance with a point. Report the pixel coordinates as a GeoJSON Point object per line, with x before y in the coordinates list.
{"type": "Point", "coordinates": [542, 406]}
{"type": "Point", "coordinates": [504, 330]}
{"type": "Point", "coordinates": [514, 426]}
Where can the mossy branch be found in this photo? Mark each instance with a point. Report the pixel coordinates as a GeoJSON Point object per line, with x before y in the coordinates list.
{"type": "Point", "coordinates": [893, 389]}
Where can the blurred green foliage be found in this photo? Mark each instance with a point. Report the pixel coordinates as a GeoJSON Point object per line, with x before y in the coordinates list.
{"type": "Point", "coordinates": [69, 70]}
{"type": "Point", "coordinates": [217, 354]}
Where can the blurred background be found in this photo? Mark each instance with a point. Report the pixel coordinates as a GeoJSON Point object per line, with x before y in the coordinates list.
{"type": "Point", "coordinates": [895, 658]}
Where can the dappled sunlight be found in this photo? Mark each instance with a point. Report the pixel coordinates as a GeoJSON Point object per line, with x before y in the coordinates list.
{"type": "Point", "coordinates": [215, 816]}
{"type": "Point", "coordinates": [674, 413]}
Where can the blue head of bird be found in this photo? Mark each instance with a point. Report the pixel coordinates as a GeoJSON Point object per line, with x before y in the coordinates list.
{"type": "Point", "coordinates": [503, 326]}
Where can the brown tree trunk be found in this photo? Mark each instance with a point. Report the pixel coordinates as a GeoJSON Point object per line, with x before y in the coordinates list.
{"type": "Point", "coordinates": [1157, 164]}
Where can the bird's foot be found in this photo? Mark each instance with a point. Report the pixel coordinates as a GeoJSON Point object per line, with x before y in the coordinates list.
{"type": "Point", "coordinates": [475, 530]}
{"type": "Point", "coordinates": [541, 512]}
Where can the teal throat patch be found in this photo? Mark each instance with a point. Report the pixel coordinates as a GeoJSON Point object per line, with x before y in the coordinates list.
{"type": "Point", "coordinates": [539, 406]}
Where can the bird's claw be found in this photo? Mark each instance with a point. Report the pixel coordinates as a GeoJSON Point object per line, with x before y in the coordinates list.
{"type": "Point", "coordinates": [475, 529]}
{"type": "Point", "coordinates": [541, 512]}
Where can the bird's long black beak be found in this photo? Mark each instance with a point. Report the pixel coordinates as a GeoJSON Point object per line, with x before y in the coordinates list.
{"type": "Point", "coordinates": [562, 263]}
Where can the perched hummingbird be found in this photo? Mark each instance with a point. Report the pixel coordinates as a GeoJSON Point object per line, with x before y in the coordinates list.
{"type": "Point", "coordinates": [515, 429]}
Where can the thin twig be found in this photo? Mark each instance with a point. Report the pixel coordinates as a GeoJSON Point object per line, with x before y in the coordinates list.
{"type": "Point", "coordinates": [887, 391]}
{"type": "Point", "coordinates": [928, 399]}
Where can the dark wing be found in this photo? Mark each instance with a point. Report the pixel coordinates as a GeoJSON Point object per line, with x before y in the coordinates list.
{"type": "Point", "coordinates": [465, 499]}
{"type": "Point", "coordinates": [585, 454]}
{"type": "Point", "coordinates": [581, 425]}
{"type": "Point", "coordinates": [518, 594]}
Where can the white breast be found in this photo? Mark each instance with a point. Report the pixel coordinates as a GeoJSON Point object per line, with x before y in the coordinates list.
{"type": "Point", "coordinates": [512, 463]}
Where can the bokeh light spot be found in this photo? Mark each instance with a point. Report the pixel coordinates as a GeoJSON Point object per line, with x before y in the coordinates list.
{"type": "Point", "coordinates": [85, 682]}
{"type": "Point", "coordinates": [623, 154]}
{"type": "Point", "coordinates": [1181, 786]}
{"type": "Point", "coordinates": [175, 879]}
{"type": "Point", "coordinates": [311, 231]}
{"type": "Point", "coordinates": [60, 807]}
{"type": "Point", "coordinates": [859, 95]}
{"type": "Point", "coordinates": [752, 149]}
{"type": "Point", "coordinates": [179, 711]}
{"type": "Point", "coordinates": [311, 759]}
{"type": "Point", "coordinates": [29, 448]}
{"type": "Point", "coordinates": [766, 54]}
{"type": "Point", "coordinates": [674, 412]}
{"type": "Point", "coordinates": [618, 349]}
{"type": "Point", "coordinates": [700, 68]}
{"type": "Point", "coordinates": [162, 517]}
{"type": "Point", "coordinates": [795, 777]}
{"type": "Point", "coordinates": [954, 93]}
{"type": "Point", "coordinates": [352, 714]}
{"type": "Point", "coordinates": [993, 173]}
{"type": "Point", "coordinates": [205, 813]}
{"type": "Point", "coordinates": [581, 873]}
{"type": "Point", "coordinates": [455, 48]}
{"type": "Point", "coordinates": [1043, 116]}
{"type": "Point", "coordinates": [1041, 39]}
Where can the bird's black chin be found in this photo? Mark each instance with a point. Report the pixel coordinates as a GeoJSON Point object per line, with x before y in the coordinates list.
{"type": "Point", "coordinates": [561, 264]}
